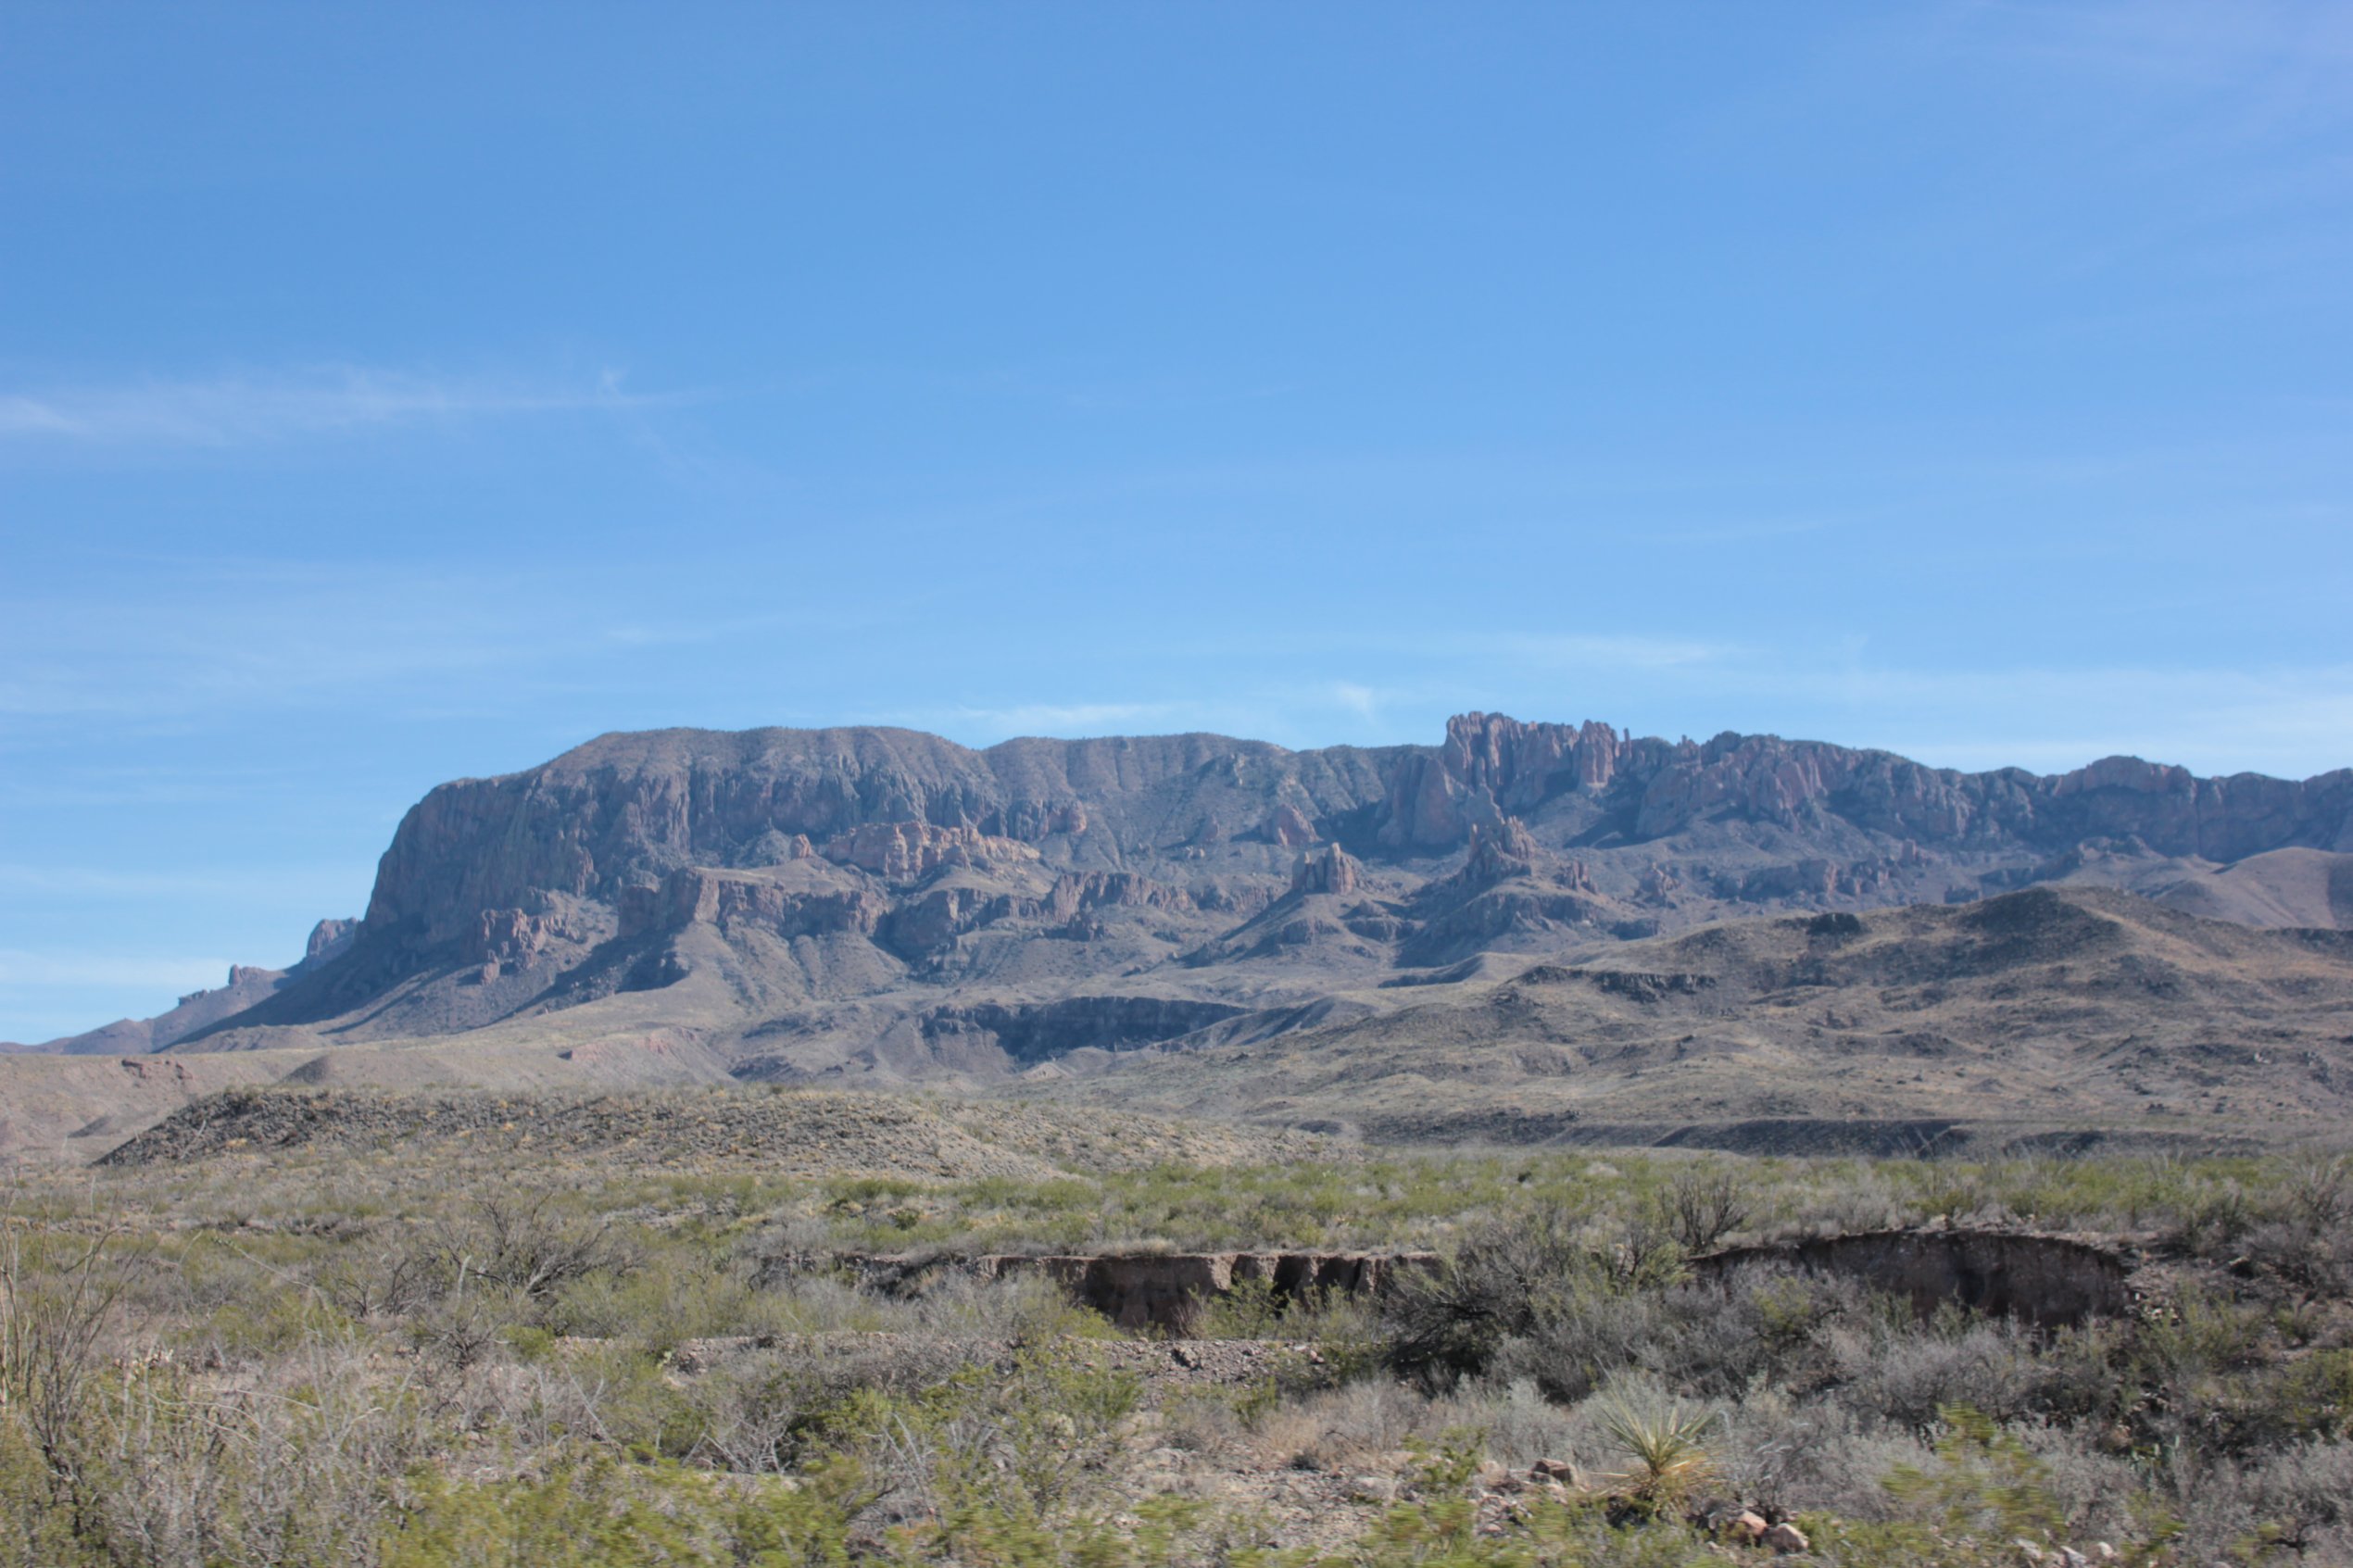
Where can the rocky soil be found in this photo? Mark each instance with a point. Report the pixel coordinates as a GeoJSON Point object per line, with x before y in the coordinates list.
{"type": "Point", "coordinates": [788, 1133]}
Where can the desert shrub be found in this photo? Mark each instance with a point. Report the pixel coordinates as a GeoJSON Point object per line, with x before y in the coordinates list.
{"type": "Point", "coordinates": [990, 1451]}
{"type": "Point", "coordinates": [753, 1409]}
{"type": "Point", "coordinates": [2209, 1215]}
{"type": "Point", "coordinates": [618, 1395]}
{"type": "Point", "coordinates": [37, 1526]}
{"type": "Point", "coordinates": [2312, 1397]}
{"type": "Point", "coordinates": [1346, 1330]}
{"type": "Point", "coordinates": [1784, 1457]}
{"type": "Point", "coordinates": [1517, 1424]}
{"type": "Point", "coordinates": [61, 1292]}
{"type": "Point", "coordinates": [2310, 1258]}
{"type": "Point", "coordinates": [1024, 1309]}
{"type": "Point", "coordinates": [466, 1327]}
{"type": "Point", "coordinates": [1251, 1309]}
{"type": "Point", "coordinates": [1336, 1429]}
{"type": "Point", "coordinates": [2204, 1367]}
{"type": "Point", "coordinates": [590, 1511]}
{"type": "Point", "coordinates": [1982, 1490]}
{"type": "Point", "coordinates": [762, 1408]}
{"type": "Point", "coordinates": [660, 1308]}
{"type": "Point", "coordinates": [165, 1472]}
{"type": "Point", "coordinates": [1705, 1338]}
{"type": "Point", "coordinates": [387, 1279]}
{"type": "Point", "coordinates": [524, 1241]}
{"type": "Point", "coordinates": [1910, 1377]}
{"type": "Point", "coordinates": [822, 1304]}
{"type": "Point", "coordinates": [2290, 1505]}
{"type": "Point", "coordinates": [272, 1321]}
{"type": "Point", "coordinates": [1580, 1336]}
{"type": "Point", "coordinates": [1861, 1201]}
{"type": "Point", "coordinates": [1571, 1284]}
{"type": "Point", "coordinates": [1703, 1205]}
{"type": "Point", "coordinates": [2100, 1495]}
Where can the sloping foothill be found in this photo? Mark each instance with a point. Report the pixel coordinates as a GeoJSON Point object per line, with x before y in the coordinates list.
{"type": "Point", "coordinates": [780, 1132]}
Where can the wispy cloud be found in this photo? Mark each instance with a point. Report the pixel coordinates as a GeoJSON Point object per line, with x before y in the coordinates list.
{"type": "Point", "coordinates": [245, 409]}
{"type": "Point", "coordinates": [2163, 42]}
{"type": "Point", "coordinates": [102, 883]}
{"type": "Point", "coordinates": [2290, 722]}
{"type": "Point", "coordinates": [246, 634]}
{"type": "Point", "coordinates": [1604, 652]}
{"type": "Point", "coordinates": [31, 971]}
{"type": "Point", "coordinates": [1070, 719]}
{"type": "Point", "coordinates": [1361, 701]}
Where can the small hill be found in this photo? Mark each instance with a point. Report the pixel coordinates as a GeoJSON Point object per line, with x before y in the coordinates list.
{"type": "Point", "coordinates": [2062, 1007]}
{"type": "Point", "coordinates": [790, 1133]}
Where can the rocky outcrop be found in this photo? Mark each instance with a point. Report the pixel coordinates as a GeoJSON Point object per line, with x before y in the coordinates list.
{"type": "Point", "coordinates": [506, 940]}
{"type": "Point", "coordinates": [1506, 850]}
{"type": "Point", "coordinates": [1330, 871]}
{"type": "Point", "coordinates": [934, 919]}
{"type": "Point", "coordinates": [1289, 827]}
{"type": "Point", "coordinates": [1490, 765]}
{"type": "Point", "coordinates": [911, 851]}
{"type": "Point", "coordinates": [1763, 778]}
{"type": "Point", "coordinates": [1166, 1291]}
{"type": "Point", "coordinates": [628, 811]}
{"type": "Point", "coordinates": [1075, 894]}
{"type": "Point", "coordinates": [1030, 1032]}
{"type": "Point", "coordinates": [1808, 879]}
{"type": "Point", "coordinates": [330, 939]}
{"type": "Point", "coordinates": [1197, 849]}
{"type": "Point", "coordinates": [2052, 1282]}
{"type": "Point", "coordinates": [700, 895]}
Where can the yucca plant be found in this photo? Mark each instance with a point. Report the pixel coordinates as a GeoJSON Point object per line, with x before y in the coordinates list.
{"type": "Point", "coordinates": [1668, 1445]}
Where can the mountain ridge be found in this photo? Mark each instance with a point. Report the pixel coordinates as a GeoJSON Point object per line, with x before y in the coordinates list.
{"type": "Point", "coordinates": [878, 907]}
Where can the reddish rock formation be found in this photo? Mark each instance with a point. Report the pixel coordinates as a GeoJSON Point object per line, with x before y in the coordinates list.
{"type": "Point", "coordinates": [1076, 892]}
{"type": "Point", "coordinates": [911, 851]}
{"type": "Point", "coordinates": [699, 894]}
{"type": "Point", "coordinates": [1289, 827]}
{"type": "Point", "coordinates": [1490, 765]}
{"type": "Point", "coordinates": [1506, 850]}
{"type": "Point", "coordinates": [1331, 870]}
{"type": "Point", "coordinates": [330, 939]}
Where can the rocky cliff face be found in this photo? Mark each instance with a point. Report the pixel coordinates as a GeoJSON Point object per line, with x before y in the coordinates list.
{"type": "Point", "coordinates": [626, 812]}
{"type": "Point", "coordinates": [793, 873]}
{"type": "Point", "coordinates": [247, 987]}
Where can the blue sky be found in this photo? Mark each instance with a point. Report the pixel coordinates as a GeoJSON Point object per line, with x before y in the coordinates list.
{"type": "Point", "coordinates": [393, 394]}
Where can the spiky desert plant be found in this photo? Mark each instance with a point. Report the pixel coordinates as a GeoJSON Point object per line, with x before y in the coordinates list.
{"type": "Point", "coordinates": [1669, 1445]}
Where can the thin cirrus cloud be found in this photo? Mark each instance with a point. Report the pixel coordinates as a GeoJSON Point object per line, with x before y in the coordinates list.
{"type": "Point", "coordinates": [1066, 719]}
{"type": "Point", "coordinates": [101, 884]}
{"type": "Point", "coordinates": [258, 635]}
{"type": "Point", "coordinates": [31, 971]}
{"type": "Point", "coordinates": [242, 409]}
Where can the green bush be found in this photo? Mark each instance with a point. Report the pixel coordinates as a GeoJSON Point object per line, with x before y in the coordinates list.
{"type": "Point", "coordinates": [593, 1511]}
